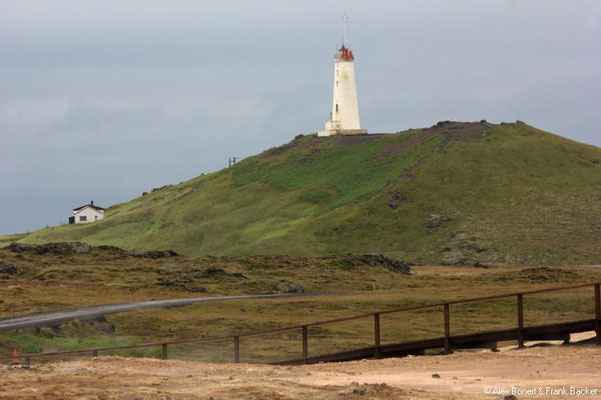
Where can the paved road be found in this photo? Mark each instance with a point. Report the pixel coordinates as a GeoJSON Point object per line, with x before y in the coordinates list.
{"type": "Point", "coordinates": [59, 317]}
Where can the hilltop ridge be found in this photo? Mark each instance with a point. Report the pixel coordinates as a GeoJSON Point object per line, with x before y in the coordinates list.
{"type": "Point", "coordinates": [455, 193]}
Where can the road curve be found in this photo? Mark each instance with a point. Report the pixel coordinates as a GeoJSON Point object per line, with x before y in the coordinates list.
{"type": "Point", "coordinates": [59, 317]}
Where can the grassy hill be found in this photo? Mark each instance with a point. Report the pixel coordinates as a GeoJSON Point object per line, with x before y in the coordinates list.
{"type": "Point", "coordinates": [451, 194]}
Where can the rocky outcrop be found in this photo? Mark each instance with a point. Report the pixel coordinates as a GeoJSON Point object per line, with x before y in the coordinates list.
{"type": "Point", "coordinates": [288, 287]}
{"type": "Point", "coordinates": [215, 271]}
{"type": "Point", "coordinates": [435, 220]}
{"type": "Point", "coordinates": [8, 269]}
{"type": "Point", "coordinates": [374, 260]}
{"type": "Point", "coordinates": [396, 200]}
{"type": "Point", "coordinates": [64, 248]}
{"type": "Point", "coordinates": [51, 248]}
{"type": "Point", "coordinates": [20, 247]}
{"type": "Point", "coordinates": [158, 254]}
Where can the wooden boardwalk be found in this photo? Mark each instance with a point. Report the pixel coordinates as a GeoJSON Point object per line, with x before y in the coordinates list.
{"type": "Point", "coordinates": [488, 339]}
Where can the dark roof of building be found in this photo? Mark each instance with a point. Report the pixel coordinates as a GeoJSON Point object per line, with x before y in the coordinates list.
{"type": "Point", "coordinates": [91, 205]}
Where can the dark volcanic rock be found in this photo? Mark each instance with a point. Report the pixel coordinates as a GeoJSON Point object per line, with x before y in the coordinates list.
{"type": "Point", "coordinates": [396, 200]}
{"type": "Point", "coordinates": [215, 271]}
{"type": "Point", "coordinates": [289, 287]}
{"type": "Point", "coordinates": [435, 220]}
{"type": "Point", "coordinates": [105, 328]}
{"type": "Point", "coordinates": [375, 260]}
{"type": "Point", "coordinates": [111, 249]}
{"type": "Point", "coordinates": [51, 248]}
{"type": "Point", "coordinates": [8, 269]}
{"type": "Point", "coordinates": [184, 283]}
{"type": "Point", "coordinates": [64, 248]}
{"type": "Point", "coordinates": [158, 254]}
{"type": "Point", "coordinates": [20, 247]}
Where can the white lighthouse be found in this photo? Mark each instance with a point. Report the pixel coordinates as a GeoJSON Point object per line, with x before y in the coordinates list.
{"type": "Point", "coordinates": [344, 118]}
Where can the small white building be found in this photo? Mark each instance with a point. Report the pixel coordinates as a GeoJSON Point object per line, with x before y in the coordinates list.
{"type": "Point", "coordinates": [86, 214]}
{"type": "Point", "coordinates": [344, 118]}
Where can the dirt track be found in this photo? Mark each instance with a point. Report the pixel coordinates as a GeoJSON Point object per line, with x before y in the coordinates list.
{"type": "Point", "coordinates": [463, 375]}
{"type": "Point", "coordinates": [54, 318]}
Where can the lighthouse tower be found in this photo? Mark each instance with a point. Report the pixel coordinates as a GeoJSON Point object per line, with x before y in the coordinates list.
{"type": "Point", "coordinates": [344, 118]}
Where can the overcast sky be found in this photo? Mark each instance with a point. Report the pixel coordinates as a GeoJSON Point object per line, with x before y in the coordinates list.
{"type": "Point", "coordinates": [106, 99]}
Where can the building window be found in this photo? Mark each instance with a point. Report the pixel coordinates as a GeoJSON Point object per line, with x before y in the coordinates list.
{"type": "Point", "coordinates": [83, 218]}
{"type": "Point", "coordinates": [95, 217]}
{"type": "Point", "coordinates": [336, 107]}
{"type": "Point", "coordinates": [336, 83]}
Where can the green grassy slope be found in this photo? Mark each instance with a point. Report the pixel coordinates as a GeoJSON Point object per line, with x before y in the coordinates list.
{"type": "Point", "coordinates": [509, 194]}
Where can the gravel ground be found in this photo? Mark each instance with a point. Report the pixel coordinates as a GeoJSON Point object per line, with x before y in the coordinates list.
{"type": "Point", "coordinates": [463, 375]}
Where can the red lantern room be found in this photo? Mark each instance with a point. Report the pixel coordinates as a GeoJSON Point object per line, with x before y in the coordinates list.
{"type": "Point", "coordinates": [345, 54]}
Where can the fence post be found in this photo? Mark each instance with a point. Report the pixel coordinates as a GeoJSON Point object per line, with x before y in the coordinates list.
{"type": "Point", "coordinates": [305, 343]}
{"type": "Point", "coordinates": [598, 312]}
{"type": "Point", "coordinates": [377, 335]}
{"type": "Point", "coordinates": [236, 349]}
{"type": "Point", "coordinates": [27, 360]}
{"type": "Point", "coordinates": [520, 320]}
{"type": "Point", "coordinates": [94, 353]}
{"type": "Point", "coordinates": [164, 354]}
{"type": "Point", "coordinates": [447, 328]}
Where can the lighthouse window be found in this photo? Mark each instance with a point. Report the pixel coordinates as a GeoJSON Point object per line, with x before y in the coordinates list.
{"type": "Point", "coordinates": [336, 107]}
{"type": "Point", "coordinates": [336, 83]}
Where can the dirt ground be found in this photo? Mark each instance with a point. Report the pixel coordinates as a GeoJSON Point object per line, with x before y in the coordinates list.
{"type": "Point", "coordinates": [462, 375]}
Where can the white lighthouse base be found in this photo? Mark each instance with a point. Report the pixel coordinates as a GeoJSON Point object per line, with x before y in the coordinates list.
{"type": "Point", "coordinates": [332, 132]}
{"type": "Point", "coordinates": [335, 128]}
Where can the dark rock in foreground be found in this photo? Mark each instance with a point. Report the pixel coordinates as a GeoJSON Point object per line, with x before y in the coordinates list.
{"type": "Point", "coordinates": [436, 220]}
{"type": "Point", "coordinates": [52, 248]}
{"type": "Point", "coordinates": [374, 260]}
{"type": "Point", "coordinates": [158, 254]}
{"type": "Point", "coordinates": [289, 287]}
{"type": "Point", "coordinates": [8, 269]}
{"type": "Point", "coordinates": [66, 248]}
{"type": "Point", "coordinates": [396, 200]}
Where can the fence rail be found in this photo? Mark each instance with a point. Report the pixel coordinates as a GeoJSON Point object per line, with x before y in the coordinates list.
{"type": "Point", "coordinates": [446, 306]}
